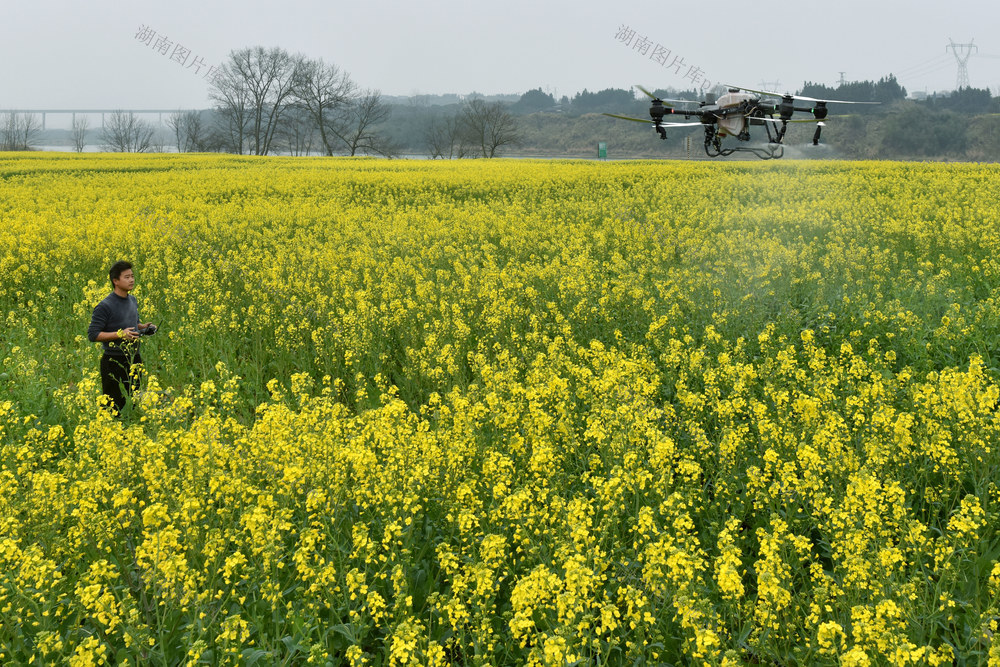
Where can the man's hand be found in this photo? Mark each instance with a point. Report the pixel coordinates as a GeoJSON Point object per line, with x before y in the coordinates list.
{"type": "Point", "coordinates": [122, 334]}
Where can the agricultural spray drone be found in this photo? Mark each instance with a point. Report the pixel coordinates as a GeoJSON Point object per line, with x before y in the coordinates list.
{"type": "Point", "coordinates": [734, 113]}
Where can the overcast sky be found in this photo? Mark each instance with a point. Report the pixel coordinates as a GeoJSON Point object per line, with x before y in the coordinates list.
{"type": "Point", "coordinates": [62, 54]}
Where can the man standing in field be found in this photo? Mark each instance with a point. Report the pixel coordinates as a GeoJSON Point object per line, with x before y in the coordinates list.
{"type": "Point", "coordinates": [115, 323]}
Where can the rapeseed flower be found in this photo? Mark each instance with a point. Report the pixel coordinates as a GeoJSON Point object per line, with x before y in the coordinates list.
{"type": "Point", "coordinates": [504, 412]}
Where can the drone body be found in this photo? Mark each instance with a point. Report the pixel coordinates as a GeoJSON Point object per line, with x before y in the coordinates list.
{"type": "Point", "coordinates": [733, 113]}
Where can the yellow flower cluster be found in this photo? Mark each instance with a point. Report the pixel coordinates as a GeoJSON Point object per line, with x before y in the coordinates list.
{"type": "Point", "coordinates": [503, 412]}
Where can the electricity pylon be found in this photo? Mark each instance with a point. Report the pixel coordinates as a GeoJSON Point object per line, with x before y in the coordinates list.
{"type": "Point", "coordinates": [962, 53]}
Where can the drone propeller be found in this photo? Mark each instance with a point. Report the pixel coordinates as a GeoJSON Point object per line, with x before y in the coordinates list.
{"type": "Point", "coordinates": [801, 120]}
{"type": "Point", "coordinates": [649, 122]}
{"type": "Point", "coordinates": [812, 99]}
{"type": "Point", "coordinates": [637, 120]}
{"type": "Point", "coordinates": [798, 97]}
{"type": "Point", "coordinates": [665, 101]}
{"type": "Point", "coordinates": [691, 124]}
{"type": "Point", "coordinates": [796, 120]}
{"type": "Point", "coordinates": [645, 91]}
{"type": "Point", "coordinates": [651, 95]}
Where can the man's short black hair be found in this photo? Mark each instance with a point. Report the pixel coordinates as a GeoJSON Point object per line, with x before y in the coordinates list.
{"type": "Point", "coordinates": [117, 269]}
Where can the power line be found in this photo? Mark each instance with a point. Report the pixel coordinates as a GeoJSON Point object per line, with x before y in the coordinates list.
{"type": "Point", "coordinates": [928, 70]}
{"type": "Point", "coordinates": [934, 63]}
{"type": "Point", "coordinates": [918, 73]}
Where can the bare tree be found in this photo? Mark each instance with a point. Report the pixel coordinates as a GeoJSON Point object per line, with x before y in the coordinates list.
{"type": "Point", "coordinates": [443, 135]}
{"type": "Point", "coordinates": [297, 132]}
{"type": "Point", "coordinates": [233, 103]}
{"type": "Point", "coordinates": [207, 131]}
{"type": "Point", "coordinates": [323, 90]}
{"type": "Point", "coordinates": [124, 132]}
{"type": "Point", "coordinates": [188, 130]}
{"type": "Point", "coordinates": [358, 119]}
{"type": "Point", "coordinates": [488, 126]}
{"type": "Point", "coordinates": [31, 125]}
{"type": "Point", "coordinates": [18, 131]}
{"type": "Point", "coordinates": [254, 90]}
{"type": "Point", "coordinates": [175, 122]}
{"type": "Point", "coordinates": [81, 124]}
{"type": "Point", "coordinates": [158, 142]}
{"type": "Point", "coordinates": [195, 136]}
{"type": "Point", "coordinates": [8, 131]}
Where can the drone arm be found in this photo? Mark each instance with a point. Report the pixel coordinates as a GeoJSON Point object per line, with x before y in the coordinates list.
{"type": "Point", "coordinates": [819, 111]}
{"type": "Point", "coordinates": [658, 110]}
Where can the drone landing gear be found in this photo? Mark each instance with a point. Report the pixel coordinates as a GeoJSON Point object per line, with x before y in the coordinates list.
{"type": "Point", "coordinates": [713, 146]}
{"type": "Point", "coordinates": [713, 143]}
{"type": "Point", "coordinates": [780, 131]}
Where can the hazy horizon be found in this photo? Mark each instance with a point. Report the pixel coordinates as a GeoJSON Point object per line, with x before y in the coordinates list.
{"type": "Point", "coordinates": [60, 56]}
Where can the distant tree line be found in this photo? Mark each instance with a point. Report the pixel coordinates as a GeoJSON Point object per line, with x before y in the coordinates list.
{"type": "Point", "coordinates": [885, 91]}
{"type": "Point", "coordinates": [267, 101]}
{"type": "Point", "coordinates": [957, 125]}
{"type": "Point", "coordinates": [964, 100]}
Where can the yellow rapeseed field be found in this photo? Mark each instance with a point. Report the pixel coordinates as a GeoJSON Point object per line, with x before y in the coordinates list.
{"type": "Point", "coordinates": [503, 413]}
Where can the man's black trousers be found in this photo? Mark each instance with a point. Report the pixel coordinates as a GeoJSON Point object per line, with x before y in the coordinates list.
{"type": "Point", "coordinates": [118, 380]}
